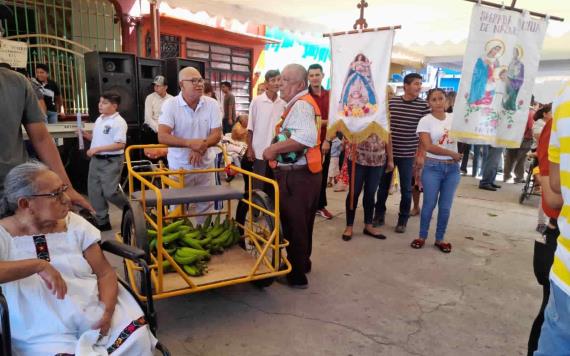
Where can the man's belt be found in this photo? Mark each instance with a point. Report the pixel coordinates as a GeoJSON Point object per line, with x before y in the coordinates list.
{"type": "Point", "coordinates": [290, 167]}
{"type": "Point", "coordinates": [108, 156]}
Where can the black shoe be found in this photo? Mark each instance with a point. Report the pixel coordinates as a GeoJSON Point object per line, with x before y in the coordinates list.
{"type": "Point", "coordinates": [346, 237]}
{"type": "Point", "coordinates": [230, 178]}
{"type": "Point", "coordinates": [309, 266]}
{"type": "Point", "coordinates": [376, 236]}
{"type": "Point", "coordinates": [400, 229]}
{"type": "Point", "coordinates": [378, 221]}
{"type": "Point", "coordinates": [104, 227]}
{"type": "Point", "coordinates": [488, 187]}
{"type": "Point", "coordinates": [300, 282]}
{"type": "Point", "coordinates": [496, 186]}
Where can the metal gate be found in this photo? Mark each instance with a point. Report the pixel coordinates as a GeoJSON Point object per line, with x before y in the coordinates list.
{"type": "Point", "coordinates": [58, 33]}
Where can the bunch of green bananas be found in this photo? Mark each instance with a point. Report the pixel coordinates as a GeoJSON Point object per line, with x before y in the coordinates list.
{"type": "Point", "coordinates": [191, 245]}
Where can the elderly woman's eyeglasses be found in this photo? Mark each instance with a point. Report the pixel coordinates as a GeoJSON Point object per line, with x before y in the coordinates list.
{"type": "Point", "coordinates": [194, 81]}
{"type": "Point", "coordinates": [58, 194]}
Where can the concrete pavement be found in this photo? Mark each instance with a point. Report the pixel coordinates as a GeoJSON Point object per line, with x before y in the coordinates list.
{"type": "Point", "coordinates": [373, 297]}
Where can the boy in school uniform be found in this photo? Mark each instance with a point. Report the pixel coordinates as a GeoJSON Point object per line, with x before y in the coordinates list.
{"type": "Point", "coordinates": [108, 142]}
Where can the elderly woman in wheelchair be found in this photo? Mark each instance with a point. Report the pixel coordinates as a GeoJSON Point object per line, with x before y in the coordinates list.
{"type": "Point", "coordinates": [62, 293]}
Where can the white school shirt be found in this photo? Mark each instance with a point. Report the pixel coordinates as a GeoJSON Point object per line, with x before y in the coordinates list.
{"type": "Point", "coordinates": [108, 130]}
{"type": "Point", "coordinates": [439, 133]}
{"type": "Point", "coordinates": [263, 116]}
{"type": "Point", "coordinates": [190, 124]}
{"type": "Point", "coordinates": [152, 105]}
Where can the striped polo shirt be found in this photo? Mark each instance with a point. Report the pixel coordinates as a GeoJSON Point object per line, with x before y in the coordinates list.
{"type": "Point", "coordinates": [559, 152]}
{"type": "Point", "coordinates": [404, 119]}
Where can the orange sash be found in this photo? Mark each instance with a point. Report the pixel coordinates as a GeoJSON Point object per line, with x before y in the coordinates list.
{"type": "Point", "coordinates": [313, 154]}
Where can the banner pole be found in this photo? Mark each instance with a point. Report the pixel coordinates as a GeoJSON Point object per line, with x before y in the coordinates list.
{"type": "Point", "coordinates": [352, 179]}
{"type": "Point", "coordinates": [537, 14]}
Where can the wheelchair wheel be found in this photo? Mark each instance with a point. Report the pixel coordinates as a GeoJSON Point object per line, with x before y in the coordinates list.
{"type": "Point", "coordinates": [263, 223]}
{"type": "Point", "coordinates": [522, 197]}
{"type": "Point", "coordinates": [133, 231]}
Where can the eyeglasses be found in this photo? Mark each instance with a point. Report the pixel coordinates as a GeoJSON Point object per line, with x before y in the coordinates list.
{"type": "Point", "coordinates": [58, 194]}
{"type": "Point", "coordinates": [194, 81]}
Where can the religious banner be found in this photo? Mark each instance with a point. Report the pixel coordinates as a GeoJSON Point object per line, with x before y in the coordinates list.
{"type": "Point", "coordinates": [359, 76]}
{"type": "Point", "coordinates": [499, 68]}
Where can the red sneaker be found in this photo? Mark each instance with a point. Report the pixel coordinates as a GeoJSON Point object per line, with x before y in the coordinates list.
{"type": "Point", "coordinates": [325, 213]}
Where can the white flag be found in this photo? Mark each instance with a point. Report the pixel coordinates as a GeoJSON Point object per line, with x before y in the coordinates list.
{"type": "Point", "coordinates": [360, 67]}
{"type": "Point", "coordinates": [499, 68]}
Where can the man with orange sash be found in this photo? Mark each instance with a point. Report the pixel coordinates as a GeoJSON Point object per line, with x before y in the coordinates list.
{"type": "Point", "coordinates": [297, 170]}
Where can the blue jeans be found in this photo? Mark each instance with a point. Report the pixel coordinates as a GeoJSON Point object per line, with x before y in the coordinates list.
{"type": "Point", "coordinates": [479, 154]}
{"type": "Point", "coordinates": [440, 182]}
{"type": "Point", "coordinates": [369, 178]}
{"type": "Point", "coordinates": [383, 192]}
{"type": "Point", "coordinates": [405, 167]}
{"type": "Point", "coordinates": [491, 165]}
{"type": "Point", "coordinates": [555, 333]}
{"type": "Point", "coordinates": [51, 117]}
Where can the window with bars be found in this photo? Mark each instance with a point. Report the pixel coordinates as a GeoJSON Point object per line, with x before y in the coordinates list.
{"type": "Point", "coordinates": [58, 33]}
{"type": "Point", "coordinates": [224, 63]}
{"type": "Point", "coordinates": [169, 46]}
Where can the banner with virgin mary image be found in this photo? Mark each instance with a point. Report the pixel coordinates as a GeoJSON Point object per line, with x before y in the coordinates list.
{"type": "Point", "coordinates": [359, 77]}
{"type": "Point", "coordinates": [499, 68]}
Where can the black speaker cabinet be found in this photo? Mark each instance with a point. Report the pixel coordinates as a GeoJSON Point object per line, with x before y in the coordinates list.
{"type": "Point", "coordinates": [116, 72]}
{"type": "Point", "coordinates": [175, 65]}
{"type": "Point", "coordinates": [147, 70]}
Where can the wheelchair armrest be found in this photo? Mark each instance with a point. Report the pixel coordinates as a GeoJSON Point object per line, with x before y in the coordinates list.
{"type": "Point", "coordinates": [123, 250]}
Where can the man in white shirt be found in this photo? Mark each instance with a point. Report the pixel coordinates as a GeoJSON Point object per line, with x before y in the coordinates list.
{"type": "Point", "coordinates": [264, 113]}
{"type": "Point", "coordinates": [152, 107]}
{"type": "Point", "coordinates": [190, 123]}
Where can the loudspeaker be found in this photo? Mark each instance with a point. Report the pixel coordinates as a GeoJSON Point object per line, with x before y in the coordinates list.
{"type": "Point", "coordinates": [147, 70]}
{"type": "Point", "coordinates": [175, 65]}
{"type": "Point", "coordinates": [116, 72]}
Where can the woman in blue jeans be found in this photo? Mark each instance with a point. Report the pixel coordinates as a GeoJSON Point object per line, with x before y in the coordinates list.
{"type": "Point", "coordinates": [372, 156]}
{"type": "Point", "coordinates": [440, 175]}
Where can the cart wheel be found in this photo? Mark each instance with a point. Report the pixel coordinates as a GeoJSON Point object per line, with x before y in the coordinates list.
{"type": "Point", "coordinates": [266, 223]}
{"type": "Point", "coordinates": [133, 230]}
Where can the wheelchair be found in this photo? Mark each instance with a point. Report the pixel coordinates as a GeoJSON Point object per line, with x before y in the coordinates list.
{"type": "Point", "coordinates": [116, 248]}
{"type": "Point", "coordinates": [531, 183]}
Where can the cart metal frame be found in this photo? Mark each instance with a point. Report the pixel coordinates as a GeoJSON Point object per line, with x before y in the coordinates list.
{"type": "Point", "coordinates": [267, 261]}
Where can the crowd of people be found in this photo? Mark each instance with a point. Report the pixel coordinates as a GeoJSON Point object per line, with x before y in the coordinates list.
{"type": "Point", "coordinates": [283, 136]}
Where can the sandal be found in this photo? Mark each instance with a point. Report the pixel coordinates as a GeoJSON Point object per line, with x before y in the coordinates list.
{"type": "Point", "coordinates": [418, 243]}
{"type": "Point", "coordinates": [346, 237]}
{"type": "Point", "coordinates": [444, 247]}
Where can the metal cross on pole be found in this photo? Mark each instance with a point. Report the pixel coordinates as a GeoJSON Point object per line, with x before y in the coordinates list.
{"type": "Point", "coordinates": [361, 21]}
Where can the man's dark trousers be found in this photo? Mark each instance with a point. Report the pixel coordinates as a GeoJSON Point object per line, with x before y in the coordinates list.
{"type": "Point", "coordinates": [325, 173]}
{"type": "Point", "coordinates": [490, 166]}
{"type": "Point", "coordinates": [405, 167]}
{"type": "Point", "coordinates": [298, 200]}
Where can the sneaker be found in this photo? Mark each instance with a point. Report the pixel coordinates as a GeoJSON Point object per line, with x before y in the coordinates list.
{"type": "Point", "coordinates": [325, 213]}
{"type": "Point", "coordinates": [400, 229]}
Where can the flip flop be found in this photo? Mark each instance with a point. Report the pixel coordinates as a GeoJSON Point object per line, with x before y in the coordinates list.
{"type": "Point", "coordinates": [444, 247]}
{"type": "Point", "coordinates": [418, 243]}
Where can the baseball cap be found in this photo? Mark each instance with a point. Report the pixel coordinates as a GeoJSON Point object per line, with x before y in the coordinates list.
{"type": "Point", "coordinates": [160, 80]}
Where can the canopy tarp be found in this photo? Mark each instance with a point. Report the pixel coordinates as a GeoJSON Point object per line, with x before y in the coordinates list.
{"type": "Point", "coordinates": [436, 29]}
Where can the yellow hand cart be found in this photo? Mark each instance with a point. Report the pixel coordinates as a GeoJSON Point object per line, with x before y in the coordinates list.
{"type": "Point", "coordinates": [162, 198]}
